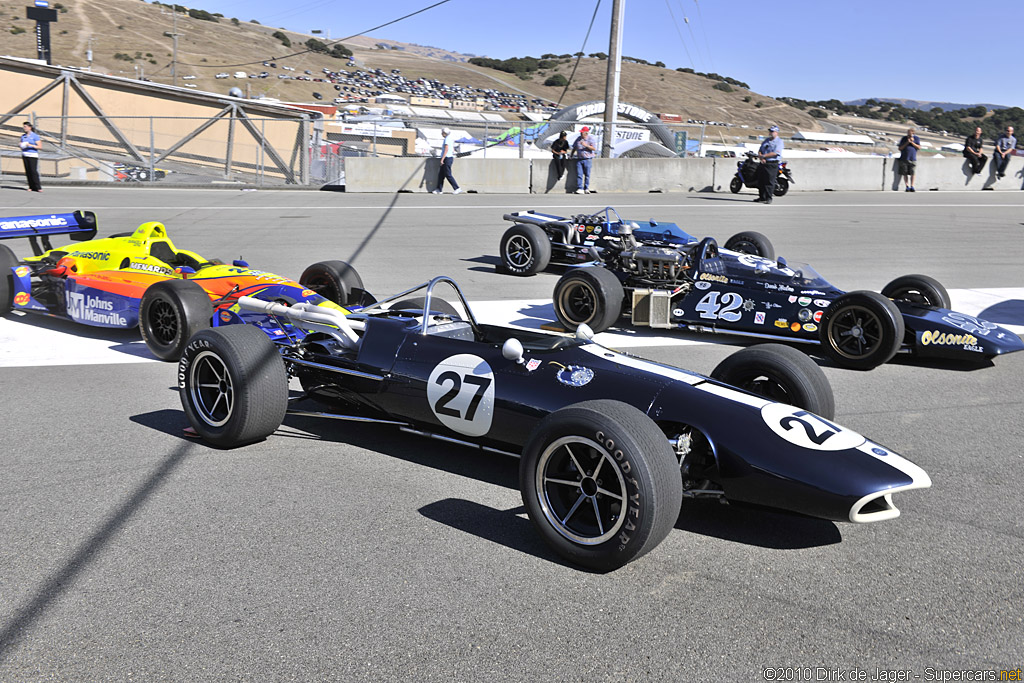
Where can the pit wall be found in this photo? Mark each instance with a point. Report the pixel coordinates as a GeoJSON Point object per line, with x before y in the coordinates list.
{"type": "Point", "coordinates": [538, 176]}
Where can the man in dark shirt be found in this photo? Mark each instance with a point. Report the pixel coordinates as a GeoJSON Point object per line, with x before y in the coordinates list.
{"type": "Point", "coordinates": [972, 151]}
{"type": "Point", "coordinates": [909, 144]}
{"type": "Point", "coordinates": [559, 151]}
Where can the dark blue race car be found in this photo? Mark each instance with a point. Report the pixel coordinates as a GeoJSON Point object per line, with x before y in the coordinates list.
{"type": "Point", "coordinates": [610, 443]}
{"type": "Point", "coordinates": [654, 274]}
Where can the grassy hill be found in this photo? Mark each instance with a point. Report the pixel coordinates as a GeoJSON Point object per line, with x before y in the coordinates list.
{"type": "Point", "coordinates": [127, 38]}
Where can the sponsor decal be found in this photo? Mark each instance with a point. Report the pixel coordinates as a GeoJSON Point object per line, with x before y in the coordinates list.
{"type": "Point", "coordinates": [759, 318]}
{"type": "Point", "coordinates": [597, 229]}
{"type": "Point", "coordinates": [678, 312]}
{"type": "Point", "coordinates": [821, 303]}
{"type": "Point", "coordinates": [782, 322]}
{"type": "Point", "coordinates": [795, 327]}
{"type": "Point", "coordinates": [807, 430]}
{"type": "Point", "coordinates": [879, 451]}
{"type": "Point", "coordinates": [817, 316]}
{"type": "Point", "coordinates": [532, 364]}
{"type": "Point", "coordinates": [21, 298]}
{"type": "Point", "coordinates": [460, 393]}
{"type": "Point", "coordinates": [575, 376]}
{"type": "Point", "coordinates": [581, 228]}
{"type": "Point", "coordinates": [736, 282]}
{"type": "Point", "coordinates": [91, 255]}
{"type": "Point", "coordinates": [308, 292]}
{"type": "Point", "coordinates": [748, 305]}
{"type": "Point", "coordinates": [810, 327]}
{"type": "Point", "coordinates": [21, 271]}
{"type": "Point", "coordinates": [590, 228]}
{"type": "Point", "coordinates": [760, 263]}
{"type": "Point", "coordinates": [804, 301]}
{"type": "Point", "coordinates": [51, 222]}
{"type": "Point", "coordinates": [770, 305]}
{"type": "Point", "coordinates": [780, 288]}
{"type": "Point", "coordinates": [937, 338]}
{"type": "Point", "coordinates": [792, 299]}
{"type": "Point", "coordinates": [804, 315]}
{"type": "Point", "coordinates": [702, 285]}
{"type": "Point", "coordinates": [714, 278]}
{"type": "Point", "coordinates": [969, 323]}
{"type": "Point", "coordinates": [150, 268]}
{"type": "Point", "coordinates": [225, 316]}
{"type": "Point", "coordinates": [92, 309]}
{"type": "Point", "coordinates": [812, 292]}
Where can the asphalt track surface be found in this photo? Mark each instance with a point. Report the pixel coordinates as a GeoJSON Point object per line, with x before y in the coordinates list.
{"type": "Point", "coordinates": [334, 551]}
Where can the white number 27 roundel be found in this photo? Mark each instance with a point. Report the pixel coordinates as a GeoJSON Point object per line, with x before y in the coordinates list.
{"type": "Point", "coordinates": [808, 430]}
{"type": "Point", "coordinates": [460, 391]}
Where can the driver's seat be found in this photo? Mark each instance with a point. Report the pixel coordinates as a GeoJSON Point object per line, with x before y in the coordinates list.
{"type": "Point", "coordinates": [706, 257]}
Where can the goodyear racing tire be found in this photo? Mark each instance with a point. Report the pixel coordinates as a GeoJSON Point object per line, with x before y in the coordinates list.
{"type": "Point", "coordinates": [336, 281]}
{"type": "Point", "coordinates": [7, 261]}
{"type": "Point", "coordinates": [735, 185]}
{"type": "Point", "coordinates": [600, 483]}
{"type": "Point", "coordinates": [750, 242]}
{"type": "Point", "coordinates": [781, 187]}
{"type": "Point", "coordinates": [590, 295]}
{"type": "Point", "coordinates": [861, 330]}
{"type": "Point", "coordinates": [233, 385]}
{"type": "Point", "coordinates": [917, 289]}
{"type": "Point", "coordinates": [170, 312]}
{"type": "Point", "coordinates": [779, 373]}
{"type": "Point", "coordinates": [525, 249]}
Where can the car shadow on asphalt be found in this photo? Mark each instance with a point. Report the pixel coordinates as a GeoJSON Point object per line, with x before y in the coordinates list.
{"type": "Point", "coordinates": [756, 526]}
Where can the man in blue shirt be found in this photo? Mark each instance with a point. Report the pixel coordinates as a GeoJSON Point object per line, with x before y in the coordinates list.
{"type": "Point", "coordinates": [584, 149]}
{"type": "Point", "coordinates": [30, 145]}
{"type": "Point", "coordinates": [770, 154]}
{"type": "Point", "coordinates": [909, 144]}
{"type": "Point", "coordinates": [1005, 144]}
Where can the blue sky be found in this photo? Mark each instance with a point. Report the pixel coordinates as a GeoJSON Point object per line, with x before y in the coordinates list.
{"type": "Point", "coordinates": [812, 49]}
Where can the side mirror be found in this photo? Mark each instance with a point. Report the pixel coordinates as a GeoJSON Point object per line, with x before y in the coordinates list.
{"type": "Point", "coordinates": [782, 262]}
{"type": "Point", "coordinates": [239, 263]}
{"type": "Point", "coordinates": [512, 349]}
{"type": "Point", "coordinates": [584, 333]}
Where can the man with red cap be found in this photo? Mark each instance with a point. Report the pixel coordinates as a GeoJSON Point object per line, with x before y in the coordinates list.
{"type": "Point", "coordinates": [584, 150]}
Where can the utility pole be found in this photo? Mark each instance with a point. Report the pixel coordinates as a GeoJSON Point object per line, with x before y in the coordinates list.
{"type": "Point", "coordinates": [88, 53]}
{"type": "Point", "coordinates": [611, 87]}
{"type": "Point", "coordinates": [174, 36]}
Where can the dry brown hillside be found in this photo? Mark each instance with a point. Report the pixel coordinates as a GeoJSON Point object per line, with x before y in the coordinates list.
{"type": "Point", "coordinates": [134, 30]}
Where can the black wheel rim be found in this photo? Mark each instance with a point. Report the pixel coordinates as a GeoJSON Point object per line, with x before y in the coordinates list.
{"type": "Point", "coordinates": [581, 490]}
{"type": "Point", "coordinates": [210, 389]}
{"type": "Point", "coordinates": [855, 332]}
{"type": "Point", "coordinates": [578, 302]}
{"type": "Point", "coordinates": [766, 385]}
{"type": "Point", "coordinates": [326, 288]}
{"type": "Point", "coordinates": [518, 251]}
{"type": "Point", "coordinates": [163, 321]}
{"type": "Point", "coordinates": [913, 295]}
{"type": "Point", "coordinates": [746, 247]}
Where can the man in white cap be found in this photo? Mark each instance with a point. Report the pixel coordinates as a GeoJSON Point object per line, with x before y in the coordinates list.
{"type": "Point", "coordinates": [584, 150]}
{"type": "Point", "coordinates": [770, 154]}
{"type": "Point", "coordinates": [447, 156]}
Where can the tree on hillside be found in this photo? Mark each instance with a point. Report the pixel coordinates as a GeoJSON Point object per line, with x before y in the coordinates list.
{"type": "Point", "coordinates": [558, 80]}
{"type": "Point", "coordinates": [283, 38]}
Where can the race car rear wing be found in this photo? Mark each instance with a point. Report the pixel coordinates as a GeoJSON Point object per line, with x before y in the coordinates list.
{"type": "Point", "coordinates": [80, 225]}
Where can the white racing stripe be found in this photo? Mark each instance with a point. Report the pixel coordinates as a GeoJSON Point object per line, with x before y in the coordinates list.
{"type": "Point", "coordinates": [28, 340]}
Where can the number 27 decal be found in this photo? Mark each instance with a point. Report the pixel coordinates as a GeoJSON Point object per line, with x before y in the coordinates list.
{"type": "Point", "coordinates": [460, 393]}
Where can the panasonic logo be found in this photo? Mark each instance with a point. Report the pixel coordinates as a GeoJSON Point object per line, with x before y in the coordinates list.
{"type": "Point", "coordinates": [51, 222]}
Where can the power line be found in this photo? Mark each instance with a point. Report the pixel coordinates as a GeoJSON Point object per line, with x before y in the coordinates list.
{"type": "Point", "coordinates": [681, 41]}
{"type": "Point", "coordinates": [580, 56]}
{"type": "Point", "coordinates": [704, 31]}
{"type": "Point", "coordinates": [686, 20]}
{"type": "Point", "coordinates": [332, 42]}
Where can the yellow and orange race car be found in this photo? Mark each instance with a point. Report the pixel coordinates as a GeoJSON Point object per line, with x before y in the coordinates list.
{"type": "Point", "coordinates": [141, 278]}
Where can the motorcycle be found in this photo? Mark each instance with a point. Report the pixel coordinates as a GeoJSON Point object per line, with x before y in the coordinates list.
{"type": "Point", "coordinates": [746, 176]}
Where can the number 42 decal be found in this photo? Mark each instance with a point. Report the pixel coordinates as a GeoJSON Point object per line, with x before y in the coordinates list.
{"type": "Point", "coordinates": [460, 392]}
{"type": "Point", "coordinates": [710, 308]}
